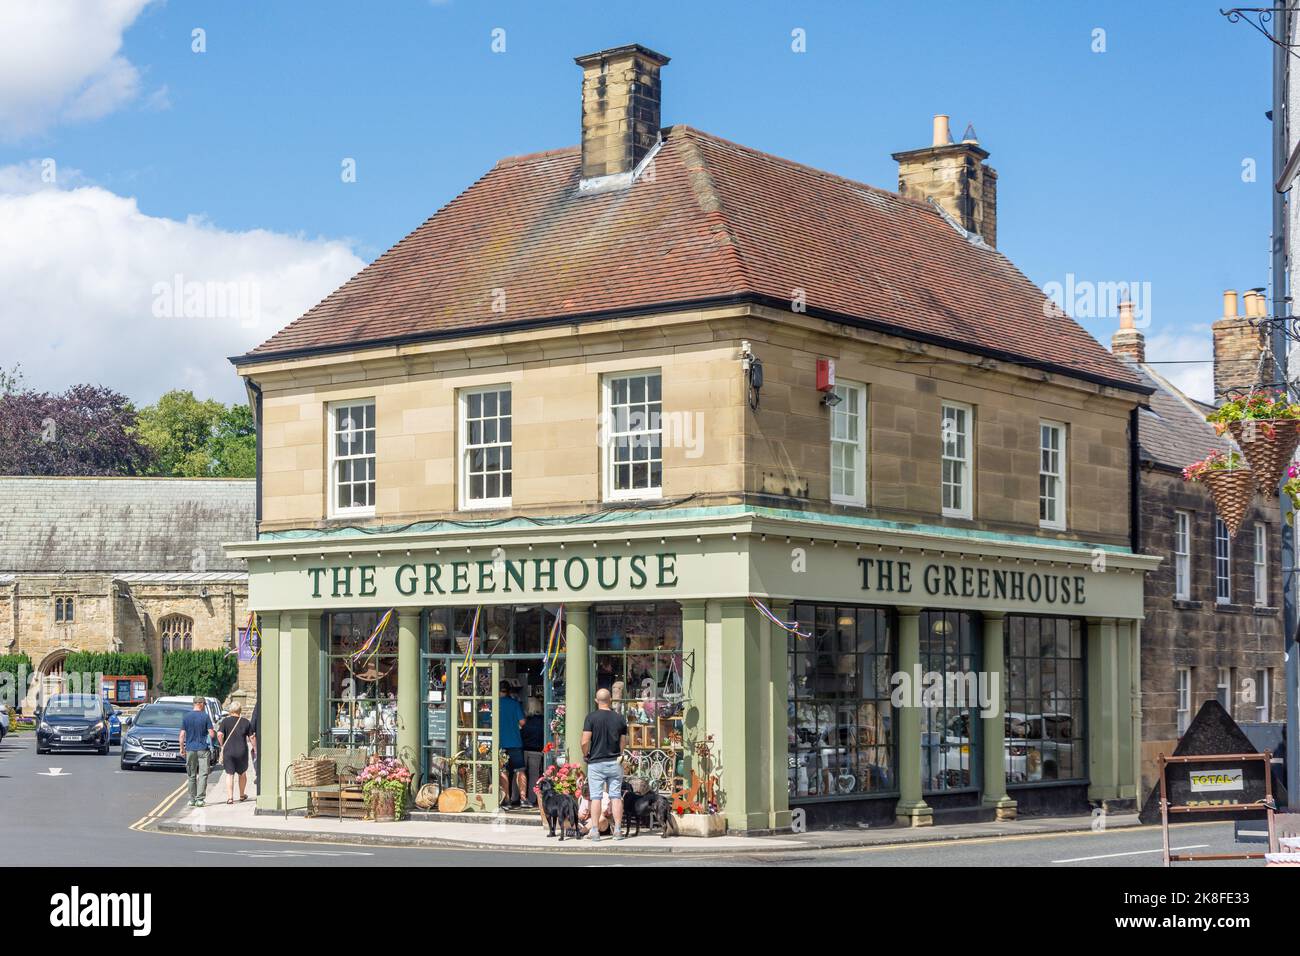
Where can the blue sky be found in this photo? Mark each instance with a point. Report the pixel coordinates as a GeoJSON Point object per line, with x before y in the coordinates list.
{"type": "Point", "coordinates": [1122, 165]}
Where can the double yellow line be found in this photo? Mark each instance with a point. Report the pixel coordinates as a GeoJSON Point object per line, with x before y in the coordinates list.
{"type": "Point", "coordinates": [161, 809]}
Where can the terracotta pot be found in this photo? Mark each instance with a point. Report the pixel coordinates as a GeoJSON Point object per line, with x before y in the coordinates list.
{"type": "Point", "coordinates": [1268, 456]}
{"type": "Point", "coordinates": [700, 824]}
{"type": "Point", "coordinates": [1233, 489]}
{"type": "Point", "coordinates": [383, 806]}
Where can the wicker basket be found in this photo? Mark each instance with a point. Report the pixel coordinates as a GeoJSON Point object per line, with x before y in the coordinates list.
{"type": "Point", "coordinates": [1268, 457]}
{"type": "Point", "coordinates": [427, 797]}
{"type": "Point", "coordinates": [312, 772]}
{"type": "Point", "coordinates": [1233, 489]}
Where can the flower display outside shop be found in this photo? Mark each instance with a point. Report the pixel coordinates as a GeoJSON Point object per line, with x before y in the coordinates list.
{"type": "Point", "coordinates": [1292, 490]}
{"type": "Point", "coordinates": [566, 778]}
{"type": "Point", "coordinates": [1265, 406]}
{"type": "Point", "coordinates": [1231, 483]}
{"type": "Point", "coordinates": [1214, 461]}
{"type": "Point", "coordinates": [386, 779]}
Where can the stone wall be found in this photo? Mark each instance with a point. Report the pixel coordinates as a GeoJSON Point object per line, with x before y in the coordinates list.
{"type": "Point", "coordinates": [1200, 633]}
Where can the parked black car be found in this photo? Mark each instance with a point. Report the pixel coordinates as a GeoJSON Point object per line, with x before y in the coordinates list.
{"type": "Point", "coordinates": [154, 738]}
{"type": "Point", "coordinates": [72, 722]}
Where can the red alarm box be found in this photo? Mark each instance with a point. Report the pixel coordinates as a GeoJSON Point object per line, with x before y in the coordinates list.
{"type": "Point", "coordinates": [825, 375]}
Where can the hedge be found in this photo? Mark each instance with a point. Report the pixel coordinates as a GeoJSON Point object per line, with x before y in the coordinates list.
{"type": "Point", "coordinates": [11, 666]}
{"type": "Point", "coordinates": [108, 664]}
{"type": "Point", "coordinates": [201, 673]}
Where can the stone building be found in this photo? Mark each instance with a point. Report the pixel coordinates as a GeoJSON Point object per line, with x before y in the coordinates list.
{"type": "Point", "coordinates": [122, 564]}
{"type": "Point", "coordinates": [1213, 620]}
{"type": "Point", "coordinates": [738, 440]}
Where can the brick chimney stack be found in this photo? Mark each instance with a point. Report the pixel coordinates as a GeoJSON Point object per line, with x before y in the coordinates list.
{"type": "Point", "coordinates": [1237, 345]}
{"type": "Point", "coordinates": [1127, 340]}
{"type": "Point", "coordinates": [620, 108]}
{"type": "Point", "coordinates": [956, 177]}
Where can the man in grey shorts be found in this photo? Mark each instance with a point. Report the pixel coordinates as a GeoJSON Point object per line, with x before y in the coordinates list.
{"type": "Point", "coordinates": [604, 737]}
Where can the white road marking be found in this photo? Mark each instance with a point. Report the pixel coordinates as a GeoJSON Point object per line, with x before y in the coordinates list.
{"type": "Point", "coordinates": [1108, 856]}
{"type": "Point", "coordinates": [53, 772]}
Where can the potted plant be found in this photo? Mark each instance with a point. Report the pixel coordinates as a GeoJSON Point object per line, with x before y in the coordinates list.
{"type": "Point", "coordinates": [1231, 483]}
{"type": "Point", "coordinates": [385, 784]}
{"type": "Point", "coordinates": [1266, 427]}
{"type": "Point", "coordinates": [697, 809]}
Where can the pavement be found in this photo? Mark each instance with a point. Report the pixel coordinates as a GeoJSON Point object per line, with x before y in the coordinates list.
{"type": "Point", "coordinates": [522, 831]}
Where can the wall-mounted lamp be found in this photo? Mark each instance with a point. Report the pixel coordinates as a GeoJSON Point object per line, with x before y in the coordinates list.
{"type": "Point", "coordinates": [830, 399]}
{"type": "Point", "coordinates": [751, 367]}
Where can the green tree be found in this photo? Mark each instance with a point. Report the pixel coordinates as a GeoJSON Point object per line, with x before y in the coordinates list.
{"type": "Point", "coordinates": [198, 439]}
{"type": "Point", "coordinates": [200, 673]}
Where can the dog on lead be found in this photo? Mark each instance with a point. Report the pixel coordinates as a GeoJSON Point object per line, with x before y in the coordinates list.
{"type": "Point", "coordinates": [560, 810]}
{"type": "Point", "coordinates": [652, 807]}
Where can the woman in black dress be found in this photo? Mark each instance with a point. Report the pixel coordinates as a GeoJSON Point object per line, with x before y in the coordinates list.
{"type": "Point", "coordinates": [234, 735]}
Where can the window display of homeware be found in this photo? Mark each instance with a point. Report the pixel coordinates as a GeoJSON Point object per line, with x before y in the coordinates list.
{"type": "Point", "coordinates": [386, 782]}
{"type": "Point", "coordinates": [1266, 427]}
{"type": "Point", "coordinates": [1231, 483]}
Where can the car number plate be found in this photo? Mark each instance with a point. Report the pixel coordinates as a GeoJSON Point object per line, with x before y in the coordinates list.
{"type": "Point", "coordinates": [72, 737]}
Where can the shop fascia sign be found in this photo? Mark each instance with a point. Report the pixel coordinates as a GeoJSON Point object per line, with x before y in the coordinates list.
{"type": "Point", "coordinates": [938, 579]}
{"type": "Point", "coordinates": [498, 575]}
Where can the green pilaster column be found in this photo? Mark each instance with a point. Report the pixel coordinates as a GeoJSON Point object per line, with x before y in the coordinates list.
{"type": "Point", "coordinates": [301, 671]}
{"type": "Point", "coordinates": [912, 810]}
{"type": "Point", "coordinates": [993, 719]}
{"type": "Point", "coordinates": [778, 684]}
{"type": "Point", "coordinates": [270, 785]}
{"type": "Point", "coordinates": [1103, 710]}
{"type": "Point", "coordinates": [408, 689]}
{"type": "Point", "coordinates": [578, 700]}
{"type": "Point", "coordinates": [695, 670]}
{"type": "Point", "coordinates": [1136, 694]}
{"type": "Point", "coordinates": [743, 749]}
{"type": "Point", "coordinates": [1126, 788]}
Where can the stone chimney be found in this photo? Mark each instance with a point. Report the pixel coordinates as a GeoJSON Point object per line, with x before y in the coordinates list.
{"type": "Point", "coordinates": [620, 108]}
{"type": "Point", "coordinates": [1127, 340]}
{"type": "Point", "coordinates": [1237, 345]}
{"type": "Point", "coordinates": [956, 177]}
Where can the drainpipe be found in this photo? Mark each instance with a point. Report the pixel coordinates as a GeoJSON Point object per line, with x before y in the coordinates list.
{"type": "Point", "coordinates": [1282, 33]}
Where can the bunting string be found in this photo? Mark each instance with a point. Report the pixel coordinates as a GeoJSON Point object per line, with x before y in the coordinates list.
{"type": "Point", "coordinates": [790, 627]}
{"type": "Point", "coordinates": [370, 648]}
{"type": "Point", "coordinates": [555, 643]}
{"type": "Point", "coordinates": [473, 639]}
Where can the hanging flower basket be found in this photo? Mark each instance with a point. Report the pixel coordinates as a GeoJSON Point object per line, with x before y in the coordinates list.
{"type": "Point", "coordinates": [1268, 446]}
{"type": "Point", "coordinates": [1231, 483]}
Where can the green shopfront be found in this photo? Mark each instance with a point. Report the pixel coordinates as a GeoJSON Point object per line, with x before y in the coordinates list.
{"type": "Point", "coordinates": [840, 669]}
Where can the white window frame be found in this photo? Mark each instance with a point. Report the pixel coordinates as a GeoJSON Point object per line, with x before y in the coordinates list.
{"type": "Point", "coordinates": [1222, 563]}
{"type": "Point", "coordinates": [1061, 498]}
{"type": "Point", "coordinates": [1182, 555]}
{"type": "Point", "coordinates": [853, 402]}
{"type": "Point", "coordinates": [1261, 564]}
{"type": "Point", "coordinates": [332, 485]}
{"type": "Point", "coordinates": [465, 449]}
{"type": "Point", "coordinates": [1262, 691]}
{"type": "Point", "coordinates": [1183, 690]}
{"type": "Point", "coordinates": [610, 434]}
{"type": "Point", "coordinates": [966, 460]}
{"type": "Point", "coordinates": [1223, 689]}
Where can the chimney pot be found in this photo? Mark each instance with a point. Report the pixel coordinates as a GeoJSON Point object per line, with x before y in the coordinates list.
{"type": "Point", "coordinates": [1229, 303]}
{"type": "Point", "coordinates": [1127, 340]}
{"type": "Point", "coordinates": [1238, 342]}
{"type": "Point", "coordinates": [942, 135]}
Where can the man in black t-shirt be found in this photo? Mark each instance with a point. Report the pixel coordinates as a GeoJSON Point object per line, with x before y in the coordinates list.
{"type": "Point", "coordinates": [604, 738]}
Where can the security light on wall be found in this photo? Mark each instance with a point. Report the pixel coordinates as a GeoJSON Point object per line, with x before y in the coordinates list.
{"type": "Point", "coordinates": [830, 399]}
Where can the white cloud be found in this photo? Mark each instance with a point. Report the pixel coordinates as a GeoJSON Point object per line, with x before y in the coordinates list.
{"type": "Point", "coordinates": [60, 60]}
{"type": "Point", "coordinates": [87, 282]}
{"type": "Point", "coordinates": [1186, 359]}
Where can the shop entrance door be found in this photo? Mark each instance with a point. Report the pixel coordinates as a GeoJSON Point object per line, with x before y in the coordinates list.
{"type": "Point", "coordinates": [476, 735]}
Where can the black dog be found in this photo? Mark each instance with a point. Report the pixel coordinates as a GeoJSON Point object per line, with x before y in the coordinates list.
{"type": "Point", "coordinates": [652, 807]}
{"type": "Point", "coordinates": [561, 809]}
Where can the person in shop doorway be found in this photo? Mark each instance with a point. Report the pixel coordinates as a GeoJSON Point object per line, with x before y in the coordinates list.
{"type": "Point", "coordinates": [196, 732]}
{"type": "Point", "coordinates": [534, 736]}
{"type": "Point", "coordinates": [604, 738]}
{"type": "Point", "coordinates": [511, 717]}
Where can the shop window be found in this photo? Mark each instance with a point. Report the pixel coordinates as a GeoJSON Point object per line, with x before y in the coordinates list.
{"type": "Point", "coordinates": [956, 444]}
{"type": "Point", "coordinates": [949, 647]}
{"type": "Point", "coordinates": [840, 721]}
{"type": "Point", "coordinates": [633, 429]}
{"type": "Point", "coordinates": [1184, 683]}
{"type": "Point", "coordinates": [352, 458]}
{"type": "Point", "coordinates": [1051, 475]}
{"type": "Point", "coordinates": [486, 441]}
{"type": "Point", "coordinates": [1222, 563]}
{"type": "Point", "coordinates": [1182, 556]}
{"type": "Point", "coordinates": [65, 610]}
{"type": "Point", "coordinates": [1261, 565]}
{"type": "Point", "coordinates": [638, 653]}
{"type": "Point", "coordinates": [849, 445]}
{"type": "Point", "coordinates": [1046, 699]}
{"type": "Point", "coordinates": [360, 682]}
{"type": "Point", "coordinates": [177, 633]}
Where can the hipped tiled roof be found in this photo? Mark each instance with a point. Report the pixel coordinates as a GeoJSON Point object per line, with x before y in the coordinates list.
{"type": "Point", "coordinates": [1172, 430]}
{"type": "Point", "coordinates": [716, 220]}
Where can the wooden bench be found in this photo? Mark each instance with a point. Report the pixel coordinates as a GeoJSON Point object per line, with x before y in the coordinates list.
{"type": "Point", "coordinates": [348, 762]}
